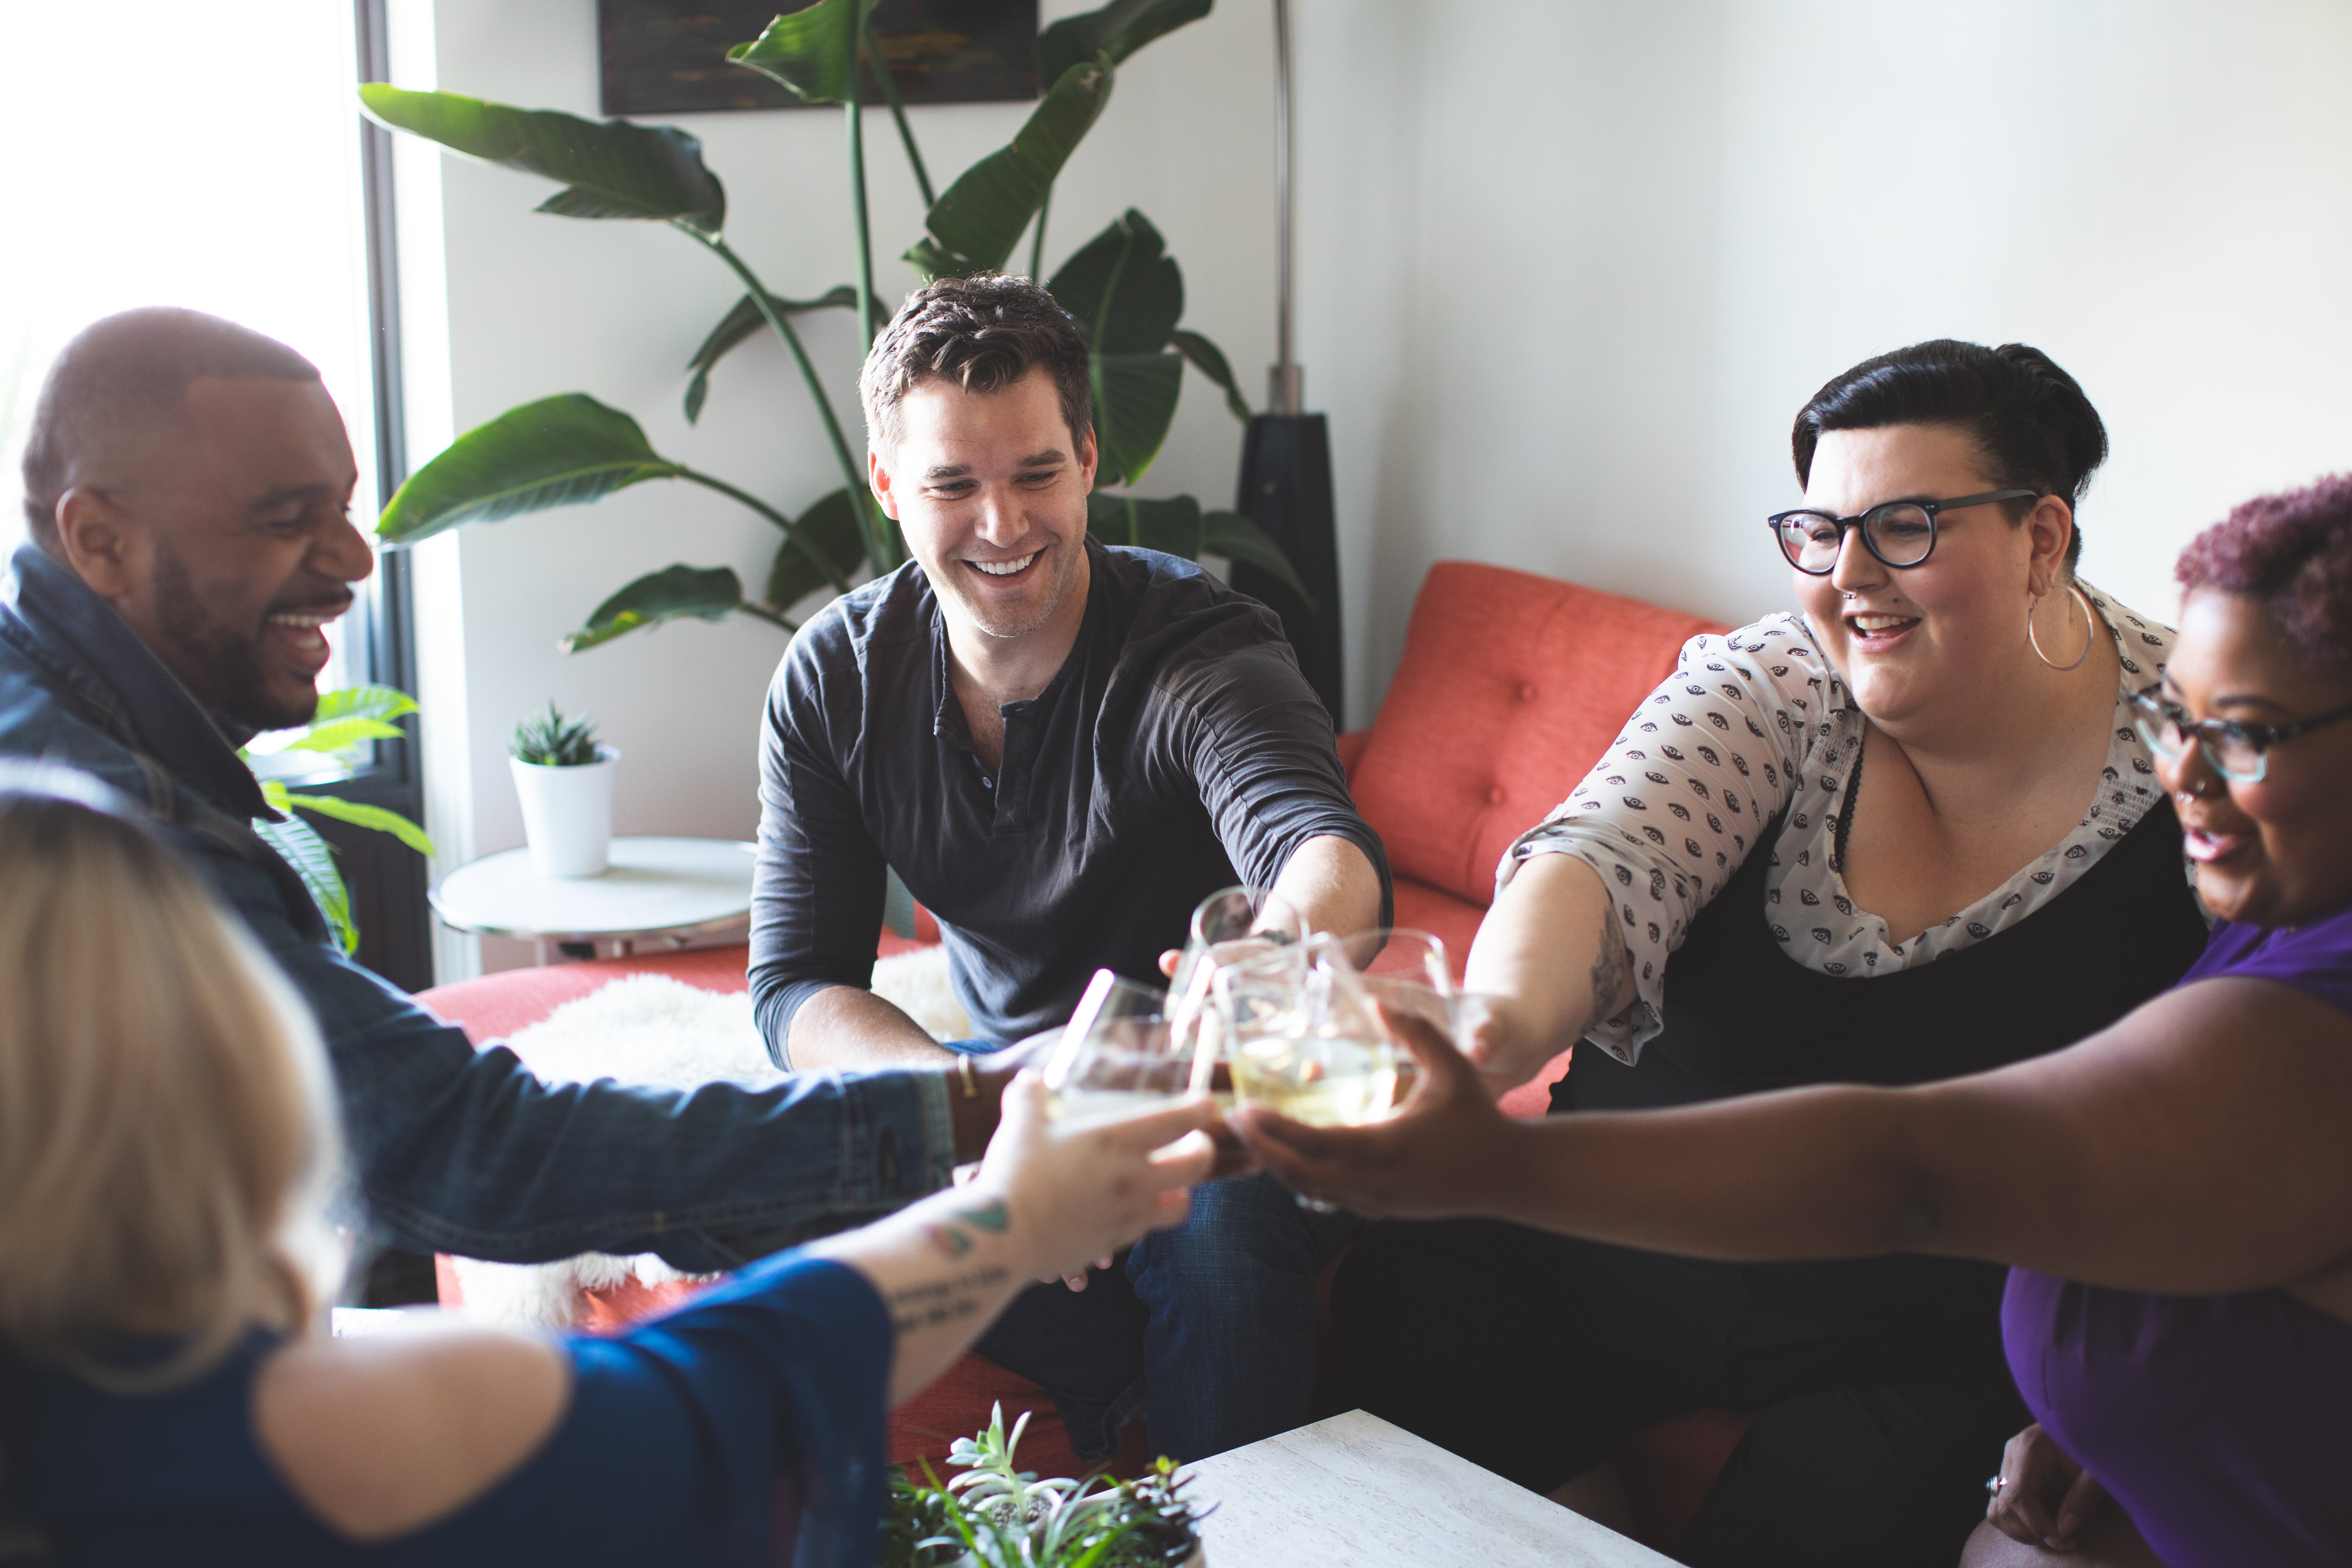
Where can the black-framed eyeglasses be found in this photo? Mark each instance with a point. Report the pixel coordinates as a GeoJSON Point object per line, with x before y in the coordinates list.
{"type": "Point", "coordinates": [2238, 753]}
{"type": "Point", "coordinates": [1899, 532]}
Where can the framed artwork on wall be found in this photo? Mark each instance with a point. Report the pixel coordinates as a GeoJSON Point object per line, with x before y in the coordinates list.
{"type": "Point", "coordinates": [669, 56]}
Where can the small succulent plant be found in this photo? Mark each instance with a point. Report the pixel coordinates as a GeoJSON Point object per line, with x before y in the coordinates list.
{"type": "Point", "coordinates": [555, 741]}
{"type": "Point", "coordinates": [994, 1516]}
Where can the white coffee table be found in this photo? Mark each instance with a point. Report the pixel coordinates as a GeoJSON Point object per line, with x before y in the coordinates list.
{"type": "Point", "coordinates": [1356, 1490]}
{"type": "Point", "coordinates": [668, 889]}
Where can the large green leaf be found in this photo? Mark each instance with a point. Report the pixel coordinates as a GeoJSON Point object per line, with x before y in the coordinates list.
{"type": "Point", "coordinates": [360, 814]}
{"type": "Point", "coordinates": [301, 848]}
{"type": "Point", "coordinates": [703, 593]}
{"type": "Point", "coordinates": [349, 717]}
{"type": "Point", "coordinates": [1118, 30]}
{"type": "Point", "coordinates": [1236, 538]}
{"type": "Point", "coordinates": [609, 169]}
{"type": "Point", "coordinates": [1123, 287]}
{"type": "Point", "coordinates": [1134, 403]}
{"type": "Point", "coordinates": [558, 451]}
{"type": "Point", "coordinates": [1209, 361]}
{"type": "Point", "coordinates": [745, 321]}
{"type": "Point", "coordinates": [977, 221]}
{"type": "Point", "coordinates": [808, 50]}
{"type": "Point", "coordinates": [831, 526]}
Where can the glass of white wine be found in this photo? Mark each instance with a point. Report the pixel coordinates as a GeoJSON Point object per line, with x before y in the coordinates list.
{"type": "Point", "coordinates": [1118, 1055]}
{"type": "Point", "coordinates": [1229, 925]}
{"type": "Point", "coordinates": [1408, 971]}
{"type": "Point", "coordinates": [1300, 1035]}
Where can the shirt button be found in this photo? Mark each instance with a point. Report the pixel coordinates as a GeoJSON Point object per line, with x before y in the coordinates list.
{"type": "Point", "coordinates": [1495, 795]}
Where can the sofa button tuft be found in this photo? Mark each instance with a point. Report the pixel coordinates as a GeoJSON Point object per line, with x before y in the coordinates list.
{"type": "Point", "coordinates": [1495, 795]}
{"type": "Point", "coordinates": [1527, 691]}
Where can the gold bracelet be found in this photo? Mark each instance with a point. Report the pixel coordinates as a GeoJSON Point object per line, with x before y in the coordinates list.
{"type": "Point", "coordinates": [963, 1070]}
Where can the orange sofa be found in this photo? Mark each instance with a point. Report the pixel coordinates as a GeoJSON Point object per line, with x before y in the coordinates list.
{"type": "Point", "coordinates": [1510, 687]}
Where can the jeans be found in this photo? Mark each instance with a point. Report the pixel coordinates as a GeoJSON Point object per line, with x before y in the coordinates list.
{"type": "Point", "coordinates": [1213, 1322]}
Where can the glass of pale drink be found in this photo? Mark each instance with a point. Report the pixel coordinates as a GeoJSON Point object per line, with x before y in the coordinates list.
{"type": "Point", "coordinates": [1118, 1054]}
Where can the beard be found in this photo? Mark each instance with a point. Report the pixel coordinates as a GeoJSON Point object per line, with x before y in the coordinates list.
{"type": "Point", "coordinates": [230, 659]}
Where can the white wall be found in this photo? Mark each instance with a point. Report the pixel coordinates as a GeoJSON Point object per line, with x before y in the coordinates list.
{"type": "Point", "coordinates": [1573, 267]}
{"type": "Point", "coordinates": [539, 305]}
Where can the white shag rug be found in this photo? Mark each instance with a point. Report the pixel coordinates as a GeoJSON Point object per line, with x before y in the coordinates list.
{"type": "Point", "coordinates": [650, 1029]}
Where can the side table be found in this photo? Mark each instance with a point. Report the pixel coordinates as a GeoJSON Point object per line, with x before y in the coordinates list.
{"type": "Point", "coordinates": [673, 889]}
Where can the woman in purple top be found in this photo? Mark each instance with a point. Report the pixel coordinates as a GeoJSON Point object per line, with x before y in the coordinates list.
{"type": "Point", "coordinates": [2173, 1194]}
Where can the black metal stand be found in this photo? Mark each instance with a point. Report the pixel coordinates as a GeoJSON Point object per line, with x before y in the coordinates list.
{"type": "Point", "coordinates": [1285, 489]}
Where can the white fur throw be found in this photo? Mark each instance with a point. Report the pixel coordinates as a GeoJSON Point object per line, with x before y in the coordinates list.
{"type": "Point", "coordinates": [651, 1029]}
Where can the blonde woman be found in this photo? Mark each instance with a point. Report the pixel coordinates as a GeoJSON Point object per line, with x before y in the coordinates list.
{"type": "Point", "coordinates": [166, 1149]}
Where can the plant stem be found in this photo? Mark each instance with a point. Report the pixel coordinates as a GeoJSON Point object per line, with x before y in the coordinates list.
{"type": "Point", "coordinates": [1038, 246]}
{"type": "Point", "coordinates": [791, 531]}
{"type": "Point", "coordinates": [761, 613]}
{"type": "Point", "coordinates": [878, 550]}
{"type": "Point", "coordinates": [856, 110]}
{"type": "Point", "coordinates": [898, 113]}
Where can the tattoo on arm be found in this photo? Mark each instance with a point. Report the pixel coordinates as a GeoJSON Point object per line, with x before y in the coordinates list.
{"type": "Point", "coordinates": [949, 1237]}
{"type": "Point", "coordinates": [1608, 968]}
{"type": "Point", "coordinates": [937, 1302]}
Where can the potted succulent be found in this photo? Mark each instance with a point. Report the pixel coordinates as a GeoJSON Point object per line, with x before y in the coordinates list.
{"type": "Point", "coordinates": [994, 1516]}
{"type": "Point", "coordinates": [565, 776]}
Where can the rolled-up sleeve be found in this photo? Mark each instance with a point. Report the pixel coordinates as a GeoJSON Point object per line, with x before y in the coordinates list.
{"type": "Point", "coordinates": [818, 889]}
{"type": "Point", "coordinates": [1682, 798]}
{"type": "Point", "coordinates": [1259, 747]}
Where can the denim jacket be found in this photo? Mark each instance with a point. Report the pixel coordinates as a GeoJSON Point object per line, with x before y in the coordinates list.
{"type": "Point", "coordinates": [454, 1149]}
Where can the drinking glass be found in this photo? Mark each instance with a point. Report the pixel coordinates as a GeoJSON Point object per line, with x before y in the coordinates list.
{"type": "Point", "coordinates": [1118, 1055]}
{"type": "Point", "coordinates": [1298, 1030]}
{"type": "Point", "coordinates": [1408, 970]}
{"type": "Point", "coordinates": [1230, 925]}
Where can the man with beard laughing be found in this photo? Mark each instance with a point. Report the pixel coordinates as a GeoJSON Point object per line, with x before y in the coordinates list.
{"type": "Point", "coordinates": [187, 484]}
{"type": "Point", "coordinates": [1061, 747]}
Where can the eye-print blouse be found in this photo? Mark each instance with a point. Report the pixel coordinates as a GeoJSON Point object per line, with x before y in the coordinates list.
{"type": "Point", "coordinates": [1755, 725]}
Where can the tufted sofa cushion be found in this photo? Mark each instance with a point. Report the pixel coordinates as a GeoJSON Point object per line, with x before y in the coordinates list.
{"type": "Point", "coordinates": [1511, 687]}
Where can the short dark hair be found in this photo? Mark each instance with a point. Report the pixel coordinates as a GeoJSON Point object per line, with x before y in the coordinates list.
{"type": "Point", "coordinates": [984, 333]}
{"type": "Point", "coordinates": [2029, 419]}
{"type": "Point", "coordinates": [2292, 552]}
{"type": "Point", "coordinates": [128, 368]}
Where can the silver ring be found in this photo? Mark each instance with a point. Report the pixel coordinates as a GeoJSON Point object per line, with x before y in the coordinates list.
{"type": "Point", "coordinates": [1994, 1485]}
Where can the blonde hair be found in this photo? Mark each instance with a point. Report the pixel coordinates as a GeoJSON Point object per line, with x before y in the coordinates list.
{"type": "Point", "coordinates": [167, 1136]}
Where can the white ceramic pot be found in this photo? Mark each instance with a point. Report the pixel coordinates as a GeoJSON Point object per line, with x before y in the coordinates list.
{"type": "Point", "coordinates": [567, 814]}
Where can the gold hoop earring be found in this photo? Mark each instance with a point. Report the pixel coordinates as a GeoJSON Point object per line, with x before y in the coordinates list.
{"type": "Point", "coordinates": [2090, 630]}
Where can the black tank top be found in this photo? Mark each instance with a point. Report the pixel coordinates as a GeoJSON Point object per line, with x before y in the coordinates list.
{"type": "Point", "coordinates": [1740, 1015]}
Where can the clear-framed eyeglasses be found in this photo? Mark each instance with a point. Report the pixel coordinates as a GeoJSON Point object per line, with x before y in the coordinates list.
{"type": "Point", "coordinates": [1899, 532]}
{"type": "Point", "coordinates": [2238, 753]}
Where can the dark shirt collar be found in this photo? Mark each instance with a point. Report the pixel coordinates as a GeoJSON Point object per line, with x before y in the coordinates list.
{"type": "Point", "coordinates": [947, 715]}
{"type": "Point", "coordinates": [94, 649]}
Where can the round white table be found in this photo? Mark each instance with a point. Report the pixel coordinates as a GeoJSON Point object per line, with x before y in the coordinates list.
{"type": "Point", "coordinates": [671, 888]}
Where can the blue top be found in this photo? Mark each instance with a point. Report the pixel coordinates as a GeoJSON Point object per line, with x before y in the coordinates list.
{"type": "Point", "coordinates": [2222, 1424]}
{"type": "Point", "coordinates": [456, 1151]}
{"type": "Point", "coordinates": [747, 1427]}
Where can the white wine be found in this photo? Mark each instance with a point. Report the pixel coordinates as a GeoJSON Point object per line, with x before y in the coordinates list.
{"type": "Point", "coordinates": [1321, 1082]}
{"type": "Point", "coordinates": [1087, 1107]}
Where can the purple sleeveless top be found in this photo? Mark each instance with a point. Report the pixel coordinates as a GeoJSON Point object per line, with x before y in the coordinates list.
{"type": "Point", "coordinates": [2222, 1424]}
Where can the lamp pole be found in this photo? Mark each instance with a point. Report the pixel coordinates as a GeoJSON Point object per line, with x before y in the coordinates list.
{"type": "Point", "coordinates": [1286, 483]}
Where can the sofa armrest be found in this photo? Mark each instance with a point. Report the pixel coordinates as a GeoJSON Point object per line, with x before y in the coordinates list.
{"type": "Point", "coordinates": [1351, 746]}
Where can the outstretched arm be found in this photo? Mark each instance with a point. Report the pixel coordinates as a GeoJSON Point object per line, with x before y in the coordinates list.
{"type": "Point", "coordinates": [1551, 961]}
{"type": "Point", "coordinates": [1046, 1200]}
{"type": "Point", "coordinates": [2192, 1148]}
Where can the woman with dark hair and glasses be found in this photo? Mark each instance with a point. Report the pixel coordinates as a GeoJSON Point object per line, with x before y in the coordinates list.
{"type": "Point", "coordinates": [1907, 833]}
{"type": "Point", "coordinates": [2172, 1191]}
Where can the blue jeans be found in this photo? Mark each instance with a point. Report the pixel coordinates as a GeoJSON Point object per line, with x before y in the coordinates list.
{"type": "Point", "coordinates": [1213, 1322]}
